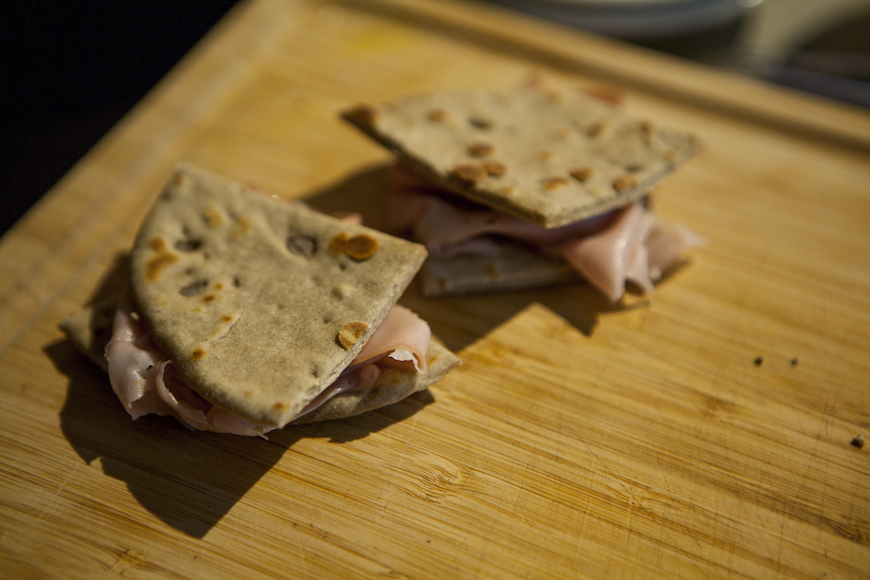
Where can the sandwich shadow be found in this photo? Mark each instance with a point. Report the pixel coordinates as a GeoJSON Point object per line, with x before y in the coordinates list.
{"type": "Point", "coordinates": [191, 480]}
{"type": "Point", "coordinates": [459, 321]}
{"type": "Point", "coordinates": [188, 479]}
{"type": "Point", "coordinates": [357, 427]}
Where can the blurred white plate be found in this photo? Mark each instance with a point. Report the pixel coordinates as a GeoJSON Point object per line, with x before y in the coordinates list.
{"type": "Point", "coordinates": [637, 19]}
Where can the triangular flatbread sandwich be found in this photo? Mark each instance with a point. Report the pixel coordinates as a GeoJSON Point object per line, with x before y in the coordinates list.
{"type": "Point", "coordinates": [521, 188]}
{"type": "Point", "coordinates": [245, 313]}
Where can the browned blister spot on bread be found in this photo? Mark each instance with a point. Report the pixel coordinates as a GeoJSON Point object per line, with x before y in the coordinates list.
{"type": "Point", "coordinates": [437, 115]}
{"type": "Point", "coordinates": [197, 354]}
{"type": "Point", "coordinates": [495, 168]}
{"type": "Point", "coordinates": [624, 182]}
{"type": "Point", "coordinates": [350, 333]}
{"type": "Point", "coordinates": [468, 173]}
{"type": "Point", "coordinates": [338, 243]}
{"type": "Point", "coordinates": [582, 174]}
{"type": "Point", "coordinates": [555, 183]}
{"type": "Point", "coordinates": [359, 247]}
{"type": "Point", "coordinates": [480, 149]}
{"type": "Point", "coordinates": [162, 258]}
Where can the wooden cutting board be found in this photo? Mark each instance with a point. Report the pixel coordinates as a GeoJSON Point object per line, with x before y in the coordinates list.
{"type": "Point", "coordinates": [578, 439]}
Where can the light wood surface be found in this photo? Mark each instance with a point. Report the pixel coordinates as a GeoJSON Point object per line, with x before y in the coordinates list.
{"type": "Point", "coordinates": [578, 440]}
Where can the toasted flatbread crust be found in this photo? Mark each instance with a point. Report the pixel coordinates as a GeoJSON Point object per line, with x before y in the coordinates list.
{"type": "Point", "coordinates": [392, 386]}
{"type": "Point", "coordinates": [551, 157]}
{"type": "Point", "coordinates": [90, 329]}
{"type": "Point", "coordinates": [248, 294]}
{"type": "Point", "coordinates": [515, 267]}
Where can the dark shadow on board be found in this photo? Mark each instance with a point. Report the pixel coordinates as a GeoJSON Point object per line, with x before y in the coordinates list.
{"type": "Point", "coordinates": [366, 192]}
{"type": "Point", "coordinates": [188, 479]}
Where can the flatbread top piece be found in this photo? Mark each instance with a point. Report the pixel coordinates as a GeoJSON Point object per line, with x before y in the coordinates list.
{"type": "Point", "coordinates": [260, 303]}
{"type": "Point", "coordinates": [547, 156]}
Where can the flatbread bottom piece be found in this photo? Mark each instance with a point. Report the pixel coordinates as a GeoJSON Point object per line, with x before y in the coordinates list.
{"type": "Point", "coordinates": [515, 267]}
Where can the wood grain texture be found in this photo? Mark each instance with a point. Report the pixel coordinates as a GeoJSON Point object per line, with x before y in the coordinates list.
{"type": "Point", "coordinates": [578, 440]}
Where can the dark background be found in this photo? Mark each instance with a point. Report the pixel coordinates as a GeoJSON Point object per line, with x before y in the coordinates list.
{"type": "Point", "coordinates": [71, 70]}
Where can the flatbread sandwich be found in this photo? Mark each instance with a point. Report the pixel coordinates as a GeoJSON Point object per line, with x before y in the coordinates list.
{"type": "Point", "coordinates": [528, 187]}
{"type": "Point", "coordinates": [244, 313]}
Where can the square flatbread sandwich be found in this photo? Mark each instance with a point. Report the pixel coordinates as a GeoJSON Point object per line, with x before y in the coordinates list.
{"type": "Point", "coordinates": [243, 313]}
{"type": "Point", "coordinates": [528, 187]}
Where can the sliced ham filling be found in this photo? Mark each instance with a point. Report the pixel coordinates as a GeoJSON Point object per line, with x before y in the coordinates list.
{"type": "Point", "coordinates": [625, 244]}
{"type": "Point", "coordinates": [146, 382]}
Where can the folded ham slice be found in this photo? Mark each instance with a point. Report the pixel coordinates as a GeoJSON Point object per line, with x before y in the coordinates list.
{"type": "Point", "coordinates": [400, 341]}
{"type": "Point", "coordinates": [146, 382]}
{"type": "Point", "coordinates": [615, 254]}
{"type": "Point", "coordinates": [442, 225]}
{"type": "Point", "coordinates": [625, 244]}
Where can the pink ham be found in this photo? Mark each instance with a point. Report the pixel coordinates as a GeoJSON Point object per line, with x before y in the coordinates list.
{"type": "Point", "coordinates": [133, 359]}
{"type": "Point", "coordinates": [198, 413]}
{"type": "Point", "coordinates": [637, 246]}
{"type": "Point", "coordinates": [627, 244]}
{"type": "Point", "coordinates": [441, 225]}
{"type": "Point", "coordinates": [667, 241]}
{"type": "Point", "coordinates": [613, 255]}
{"type": "Point", "coordinates": [400, 341]}
{"type": "Point", "coordinates": [146, 382]}
{"type": "Point", "coordinates": [445, 224]}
